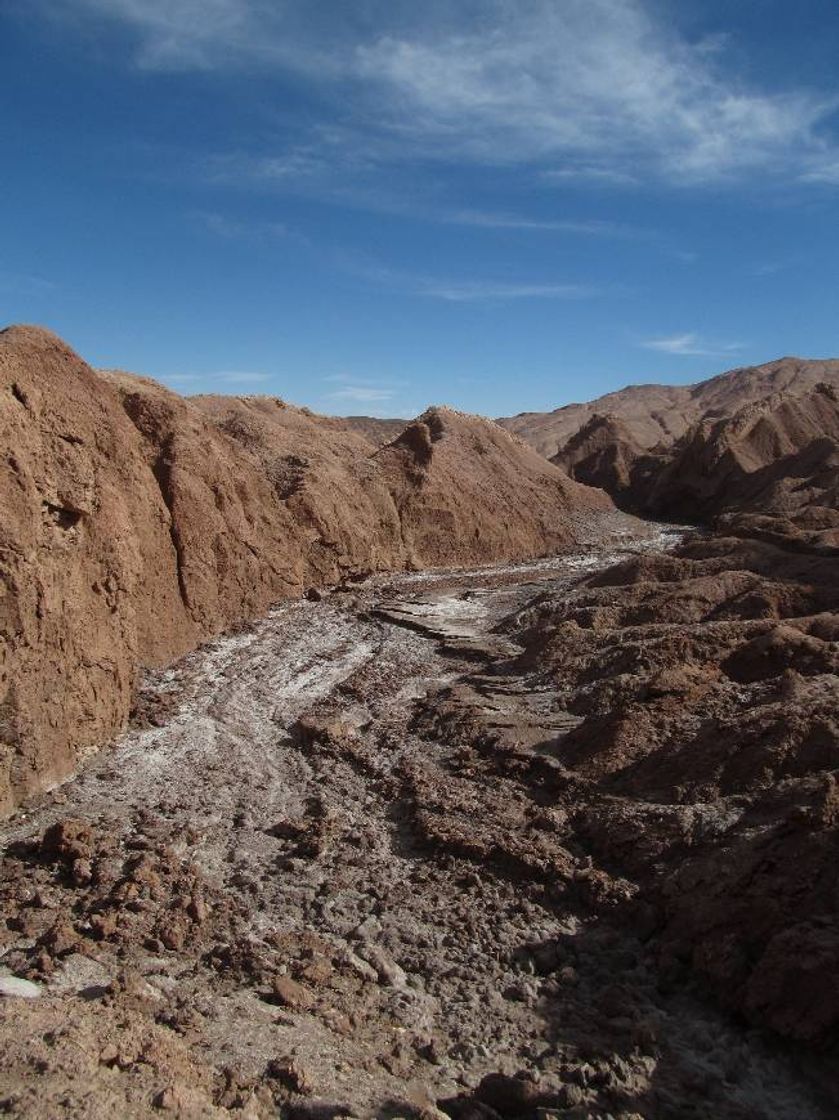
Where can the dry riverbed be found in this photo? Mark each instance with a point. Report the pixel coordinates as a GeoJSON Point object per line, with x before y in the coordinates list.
{"type": "Point", "coordinates": [287, 886]}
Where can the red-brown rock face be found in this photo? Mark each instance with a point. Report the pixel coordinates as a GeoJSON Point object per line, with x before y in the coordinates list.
{"type": "Point", "coordinates": [134, 524]}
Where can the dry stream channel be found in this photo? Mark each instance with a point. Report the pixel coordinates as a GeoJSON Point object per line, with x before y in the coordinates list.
{"type": "Point", "coordinates": [372, 959]}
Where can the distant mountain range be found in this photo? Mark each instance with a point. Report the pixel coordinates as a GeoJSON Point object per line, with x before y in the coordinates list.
{"type": "Point", "coordinates": [660, 414]}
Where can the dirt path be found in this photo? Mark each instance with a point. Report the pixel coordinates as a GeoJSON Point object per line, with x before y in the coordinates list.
{"type": "Point", "coordinates": [311, 890]}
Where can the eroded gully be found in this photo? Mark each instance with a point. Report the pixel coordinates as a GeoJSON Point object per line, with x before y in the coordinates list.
{"type": "Point", "coordinates": [287, 766]}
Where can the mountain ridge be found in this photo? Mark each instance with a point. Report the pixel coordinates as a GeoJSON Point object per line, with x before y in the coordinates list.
{"type": "Point", "coordinates": [655, 412]}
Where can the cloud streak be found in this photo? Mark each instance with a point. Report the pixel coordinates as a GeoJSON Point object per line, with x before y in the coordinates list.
{"type": "Point", "coordinates": [602, 90]}
{"type": "Point", "coordinates": [490, 220]}
{"type": "Point", "coordinates": [362, 394]}
{"type": "Point", "coordinates": [689, 345]}
{"type": "Point", "coordinates": [232, 229]}
{"type": "Point", "coordinates": [460, 289]}
{"type": "Point", "coordinates": [482, 291]}
{"type": "Point", "coordinates": [24, 284]}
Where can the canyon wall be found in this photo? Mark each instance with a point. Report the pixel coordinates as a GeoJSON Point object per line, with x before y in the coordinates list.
{"type": "Point", "coordinates": [134, 524]}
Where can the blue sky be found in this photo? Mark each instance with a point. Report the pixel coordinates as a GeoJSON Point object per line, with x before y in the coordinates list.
{"type": "Point", "coordinates": [369, 206]}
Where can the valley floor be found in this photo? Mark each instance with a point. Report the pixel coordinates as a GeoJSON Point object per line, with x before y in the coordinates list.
{"type": "Point", "coordinates": [283, 886]}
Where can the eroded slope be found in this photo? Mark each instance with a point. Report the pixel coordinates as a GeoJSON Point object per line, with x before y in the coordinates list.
{"type": "Point", "coordinates": [136, 523]}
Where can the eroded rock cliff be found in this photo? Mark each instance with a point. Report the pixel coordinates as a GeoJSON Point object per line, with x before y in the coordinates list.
{"type": "Point", "coordinates": [136, 523]}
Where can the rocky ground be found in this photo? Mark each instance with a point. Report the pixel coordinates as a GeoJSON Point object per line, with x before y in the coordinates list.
{"type": "Point", "coordinates": [330, 871]}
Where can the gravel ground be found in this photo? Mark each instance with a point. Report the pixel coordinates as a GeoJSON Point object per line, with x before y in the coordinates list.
{"type": "Point", "coordinates": [312, 900]}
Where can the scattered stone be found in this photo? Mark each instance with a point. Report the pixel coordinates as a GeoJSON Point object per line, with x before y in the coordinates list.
{"type": "Point", "coordinates": [290, 1073]}
{"type": "Point", "coordinates": [316, 1109]}
{"type": "Point", "coordinates": [15, 987]}
{"type": "Point", "coordinates": [508, 1096]}
{"type": "Point", "coordinates": [289, 993]}
{"type": "Point", "coordinates": [167, 1100]}
{"type": "Point", "coordinates": [68, 840]}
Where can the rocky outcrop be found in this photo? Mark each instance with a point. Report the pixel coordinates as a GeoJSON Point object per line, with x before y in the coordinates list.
{"type": "Point", "coordinates": [772, 467]}
{"type": "Point", "coordinates": [377, 431]}
{"type": "Point", "coordinates": [136, 524]}
{"type": "Point", "coordinates": [89, 572]}
{"type": "Point", "coordinates": [702, 765]}
{"type": "Point", "coordinates": [604, 450]}
{"type": "Point", "coordinates": [769, 468]}
{"type": "Point", "coordinates": [467, 492]}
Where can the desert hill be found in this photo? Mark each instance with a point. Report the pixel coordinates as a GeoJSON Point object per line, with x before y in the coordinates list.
{"type": "Point", "coordinates": [450, 512]}
{"type": "Point", "coordinates": [759, 456]}
{"type": "Point", "coordinates": [376, 430]}
{"type": "Point", "coordinates": [470, 810]}
{"type": "Point", "coordinates": [771, 468]}
{"type": "Point", "coordinates": [604, 448]}
{"type": "Point", "coordinates": [654, 414]}
{"type": "Point", "coordinates": [778, 458]}
{"type": "Point", "coordinates": [703, 765]}
{"type": "Point", "coordinates": [135, 524]}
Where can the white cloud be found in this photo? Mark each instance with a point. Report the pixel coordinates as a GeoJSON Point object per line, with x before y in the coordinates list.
{"type": "Point", "coordinates": [603, 90]}
{"type": "Point", "coordinates": [232, 229]}
{"type": "Point", "coordinates": [472, 291]}
{"type": "Point", "coordinates": [363, 394]}
{"type": "Point", "coordinates": [691, 345]}
{"type": "Point", "coordinates": [599, 82]}
{"type": "Point", "coordinates": [491, 220]}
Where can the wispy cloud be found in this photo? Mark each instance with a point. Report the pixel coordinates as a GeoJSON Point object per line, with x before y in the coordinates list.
{"type": "Point", "coordinates": [824, 171]}
{"type": "Point", "coordinates": [586, 173]}
{"type": "Point", "coordinates": [771, 268]}
{"type": "Point", "coordinates": [24, 284]}
{"type": "Point", "coordinates": [601, 83]}
{"type": "Point", "coordinates": [374, 396]}
{"type": "Point", "coordinates": [473, 291]}
{"type": "Point", "coordinates": [459, 289]}
{"type": "Point", "coordinates": [250, 230]}
{"type": "Point", "coordinates": [240, 377]}
{"type": "Point", "coordinates": [379, 396]}
{"type": "Point", "coordinates": [233, 229]}
{"type": "Point", "coordinates": [690, 345]}
{"type": "Point", "coordinates": [362, 394]}
{"type": "Point", "coordinates": [604, 90]}
{"type": "Point", "coordinates": [351, 177]}
{"type": "Point", "coordinates": [587, 228]}
{"type": "Point", "coordinates": [190, 34]}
